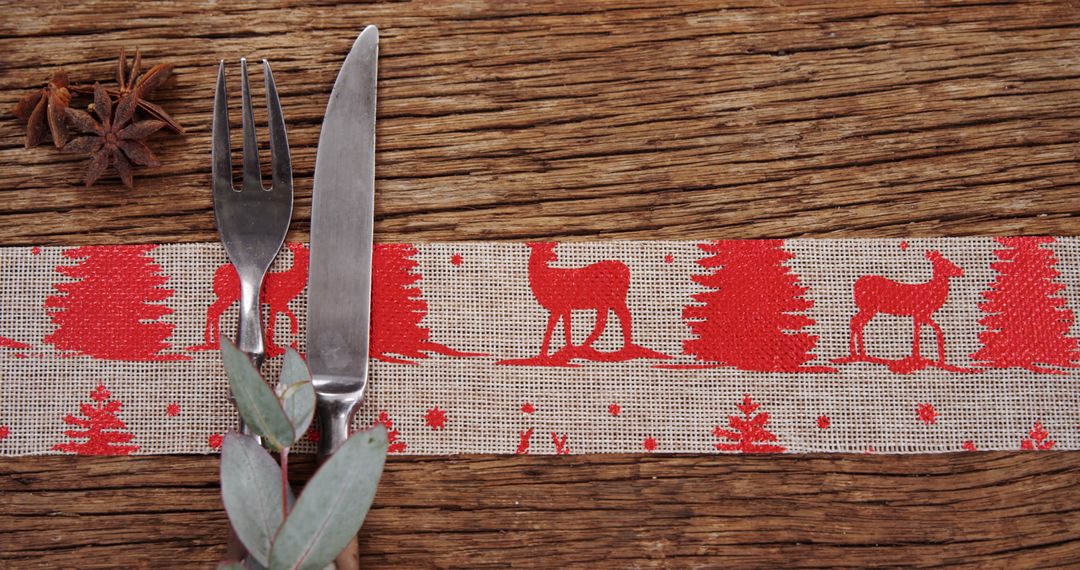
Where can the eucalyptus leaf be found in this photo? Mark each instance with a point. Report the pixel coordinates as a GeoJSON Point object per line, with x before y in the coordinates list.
{"type": "Point", "coordinates": [293, 369]}
{"type": "Point", "coordinates": [251, 491]}
{"type": "Point", "coordinates": [296, 393]}
{"type": "Point", "coordinates": [231, 566]}
{"type": "Point", "coordinates": [332, 507]}
{"type": "Point", "coordinates": [256, 401]}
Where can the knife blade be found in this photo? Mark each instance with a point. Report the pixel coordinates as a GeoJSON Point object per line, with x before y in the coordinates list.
{"type": "Point", "coordinates": [342, 218]}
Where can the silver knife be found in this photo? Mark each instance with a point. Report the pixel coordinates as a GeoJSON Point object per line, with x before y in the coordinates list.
{"type": "Point", "coordinates": [342, 216]}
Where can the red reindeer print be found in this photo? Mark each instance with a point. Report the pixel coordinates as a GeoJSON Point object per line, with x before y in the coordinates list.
{"type": "Point", "coordinates": [879, 295]}
{"type": "Point", "coordinates": [523, 444]}
{"type": "Point", "coordinates": [561, 448]}
{"type": "Point", "coordinates": [278, 290]}
{"type": "Point", "coordinates": [601, 287]}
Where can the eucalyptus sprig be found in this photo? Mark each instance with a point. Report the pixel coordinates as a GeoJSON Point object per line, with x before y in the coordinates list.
{"type": "Point", "coordinates": [280, 531]}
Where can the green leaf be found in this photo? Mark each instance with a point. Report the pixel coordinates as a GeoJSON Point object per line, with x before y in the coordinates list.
{"type": "Point", "coordinates": [332, 507]}
{"type": "Point", "coordinates": [251, 491]}
{"type": "Point", "coordinates": [230, 566]}
{"type": "Point", "coordinates": [296, 393]}
{"type": "Point", "coordinates": [256, 401]}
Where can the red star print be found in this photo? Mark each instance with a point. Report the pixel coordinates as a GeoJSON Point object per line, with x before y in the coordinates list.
{"type": "Point", "coordinates": [527, 408]}
{"type": "Point", "coordinates": [823, 422]}
{"type": "Point", "coordinates": [649, 444]}
{"type": "Point", "coordinates": [35, 250]}
{"type": "Point", "coordinates": [970, 445]}
{"type": "Point", "coordinates": [927, 414]}
{"type": "Point", "coordinates": [456, 259]}
{"type": "Point", "coordinates": [4, 432]}
{"type": "Point", "coordinates": [669, 258]}
{"type": "Point", "coordinates": [215, 440]}
{"type": "Point", "coordinates": [172, 409]}
{"type": "Point", "coordinates": [903, 245]}
{"type": "Point", "coordinates": [614, 409]}
{"type": "Point", "coordinates": [436, 418]}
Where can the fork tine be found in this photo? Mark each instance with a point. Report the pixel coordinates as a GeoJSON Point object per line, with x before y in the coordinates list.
{"type": "Point", "coordinates": [281, 166]}
{"type": "Point", "coordinates": [252, 174]}
{"type": "Point", "coordinates": [221, 152]}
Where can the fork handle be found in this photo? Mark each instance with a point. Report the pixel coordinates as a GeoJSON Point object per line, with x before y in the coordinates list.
{"type": "Point", "coordinates": [249, 336]}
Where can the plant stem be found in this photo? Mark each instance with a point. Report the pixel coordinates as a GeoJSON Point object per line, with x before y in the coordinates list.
{"type": "Point", "coordinates": [285, 482]}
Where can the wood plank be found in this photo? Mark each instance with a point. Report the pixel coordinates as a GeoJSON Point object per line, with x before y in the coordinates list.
{"type": "Point", "coordinates": [582, 120]}
{"type": "Point", "coordinates": [588, 511]}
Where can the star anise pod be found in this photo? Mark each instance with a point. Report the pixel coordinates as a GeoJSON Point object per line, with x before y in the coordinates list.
{"type": "Point", "coordinates": [142, 86]}
{"type": "Point", "coordinates": [43, 107]}
{"type": "Point", "coordinates": [116, 139]}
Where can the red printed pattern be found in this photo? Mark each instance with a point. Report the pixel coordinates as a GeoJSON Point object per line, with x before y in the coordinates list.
{"type": "Point", "coordinates": [748, 433]}
{"type": "Point", "coordinates": [601, 287]}
{"type": "Point", "coordinates": [752, 317]}
{"type": "Point", "coordinates": [113, 310]}
{"type": "Point", "coordinates": [876, 295]}
{"type": "Point", "coordinates": [1027, 321]}
{"type": "Point", "coordinates": [104, 433]}
{"type": "Point", "coordinates": [278, 290]}
{"type": "Point", "coordinates": [397, 307]}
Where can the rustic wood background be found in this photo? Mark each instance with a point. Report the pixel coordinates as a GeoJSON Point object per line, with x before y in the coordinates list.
{"type": "Point", "coordinates": [580, 120]}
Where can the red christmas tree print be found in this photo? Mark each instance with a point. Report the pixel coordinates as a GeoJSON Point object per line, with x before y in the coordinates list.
{"type": "Point", "coordinates": [1038, 439]}
{"type": "Point", "coordinates": [395, 446]}
{"type": "Point", "coordinates": [748, 432]}
{"type": "Point", "coordinates": [601, 287]}
{"type": "Point", "coordinates": [103, 432]}
{"type": "Point", "coordinates": [279, 288]}
{"type": "Point", "coordinates": [113, 310]}
{"type": "Point", "coordinates": [398, 306]}
{"type": "Point", "coordinates": [752, 315]}
{"type": "Point", "coordinates": [875, 294]}
{"type": "Point", "coordinates": [1027, 321]}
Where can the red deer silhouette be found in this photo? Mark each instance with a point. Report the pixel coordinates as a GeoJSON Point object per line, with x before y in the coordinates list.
{"type": "Point", "coordinates": [600, 287]}
{"type": "Point", "coordinates": [875, 294]}
{"type": "Point", "coordinates": [279, 288]}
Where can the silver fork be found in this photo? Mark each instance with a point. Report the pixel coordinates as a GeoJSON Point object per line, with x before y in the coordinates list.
{"type": "Point", "coordinates": [252, 220]}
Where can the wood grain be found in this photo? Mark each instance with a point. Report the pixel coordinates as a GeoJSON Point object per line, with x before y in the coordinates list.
{"type": "Point", "coordinates": [583, 120]}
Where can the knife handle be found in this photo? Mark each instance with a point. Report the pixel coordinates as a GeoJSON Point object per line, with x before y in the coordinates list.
{"type": "Point", "coordinates": [334, 420]}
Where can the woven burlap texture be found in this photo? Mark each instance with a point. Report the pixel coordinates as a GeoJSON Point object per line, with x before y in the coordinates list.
{"type": "Point", "coordinates": [477, 318]}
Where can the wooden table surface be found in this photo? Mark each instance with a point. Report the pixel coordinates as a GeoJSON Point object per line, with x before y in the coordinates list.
{"type": "Point", "coordinates": [572, 121]}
